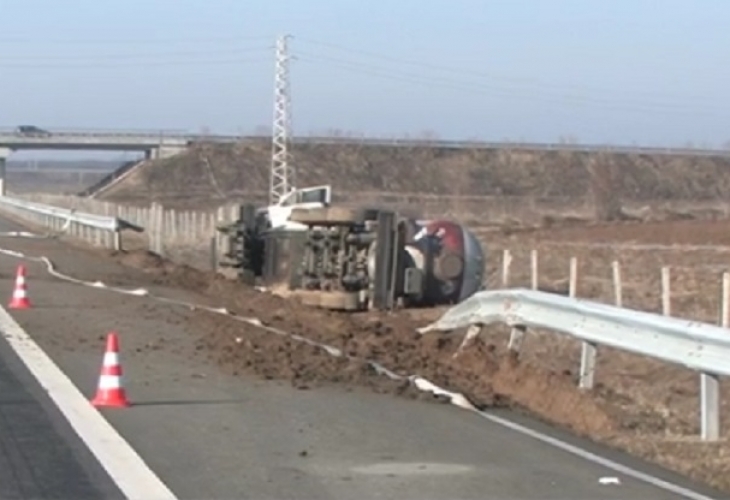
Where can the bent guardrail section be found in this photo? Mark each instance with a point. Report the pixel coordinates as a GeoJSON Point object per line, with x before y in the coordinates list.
{"type": "Point", "coordinates": [699, 346]}
{"type": "Point", "coordinates": [100, 230]}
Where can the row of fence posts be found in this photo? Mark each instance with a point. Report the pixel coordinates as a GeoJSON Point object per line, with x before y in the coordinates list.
{"type": "Point", "coordinates": [709, 384]}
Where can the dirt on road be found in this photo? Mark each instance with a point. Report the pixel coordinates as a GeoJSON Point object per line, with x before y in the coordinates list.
{"type": "Point", "coordinates": [644, 407]}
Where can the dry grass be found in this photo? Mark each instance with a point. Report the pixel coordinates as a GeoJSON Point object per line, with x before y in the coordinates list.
{"type": "Point", "coordinates": [516, 185]}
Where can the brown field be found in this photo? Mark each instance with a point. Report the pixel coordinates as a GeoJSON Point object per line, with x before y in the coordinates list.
{"type": "Point", "coordinates": [561, 204]}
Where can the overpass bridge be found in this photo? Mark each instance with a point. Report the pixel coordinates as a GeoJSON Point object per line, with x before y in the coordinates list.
{"type": "Point", "coordinates": [165, 143]}
{"type": "Point", "coordinates": [155, 144]}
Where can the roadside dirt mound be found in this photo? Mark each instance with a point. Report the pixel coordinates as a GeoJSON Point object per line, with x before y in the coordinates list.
{"type": "Point", "coordinates": [486, 373]}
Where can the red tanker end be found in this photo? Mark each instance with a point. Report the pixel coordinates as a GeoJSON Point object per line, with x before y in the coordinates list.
{"type": "Point", "coordinates": [451, 259]}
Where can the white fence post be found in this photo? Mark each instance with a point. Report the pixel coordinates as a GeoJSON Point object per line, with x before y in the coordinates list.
{"type": "Point", "coordinates": [617, 285]}
{"type": "Point", "coordinates": [506, 262]}
{"type": "Point", "coordinates": [573, 278]}
{"type": "Point", "coordinates": [533, 269]}
{"type": "Point", "coordinates": [666, 292]}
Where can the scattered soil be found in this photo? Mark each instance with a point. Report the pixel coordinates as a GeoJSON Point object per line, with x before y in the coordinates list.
{"type": "Point", "coordinates": [641, 406]}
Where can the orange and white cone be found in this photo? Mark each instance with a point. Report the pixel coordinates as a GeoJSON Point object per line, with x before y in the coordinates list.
{"type": "Point", "coordinates": [20, 292]}
{"type": "Point", "coordinates": [110, 392]}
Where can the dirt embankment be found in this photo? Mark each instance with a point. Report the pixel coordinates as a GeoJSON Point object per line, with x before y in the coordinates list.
{"type": "Point", "coordinates": [361, 174]}
{"type": "Point", "coordinates": [485, 372]}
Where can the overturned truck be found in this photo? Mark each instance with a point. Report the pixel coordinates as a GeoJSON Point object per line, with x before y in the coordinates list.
{"type": "Point", "coordinates": [352, 259]}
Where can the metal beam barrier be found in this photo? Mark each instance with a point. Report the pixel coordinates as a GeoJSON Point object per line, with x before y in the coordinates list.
{"type": "Point", "coordinates": [98, 230]}
{"type": "Point", "coordinates": [698, 346]}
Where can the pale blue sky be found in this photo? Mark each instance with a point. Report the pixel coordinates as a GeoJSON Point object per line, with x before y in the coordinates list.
{"type": "Point", "coordinates": [618, 71]}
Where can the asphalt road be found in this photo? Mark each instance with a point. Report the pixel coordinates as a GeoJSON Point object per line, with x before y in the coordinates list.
{"type": "Point", "coordinates": [211, 435]}
{"type": "Point", "coordinates": [40, 455]}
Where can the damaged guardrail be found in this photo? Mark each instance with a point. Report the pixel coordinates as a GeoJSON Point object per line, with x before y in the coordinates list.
{"type": "Point", "coordinates": [99, 229]}
{"type": "Point", "coordinates": [699, 346]}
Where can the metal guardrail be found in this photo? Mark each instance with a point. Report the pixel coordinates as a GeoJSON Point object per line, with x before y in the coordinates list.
{"type": "Point", "coordinates": [525, 146]}
{"type": "Point", "coordinates": [65, 219]}
{"type": "Point", "coordinates": [699, 346]}
{"type": "Point", "coordinates": [179, 135]}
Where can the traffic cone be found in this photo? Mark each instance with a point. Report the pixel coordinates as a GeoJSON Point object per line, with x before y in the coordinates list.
{"type": "Point", "coordinates": [110, 392]}
{"type": "Point", "coordinates": [20, 292]}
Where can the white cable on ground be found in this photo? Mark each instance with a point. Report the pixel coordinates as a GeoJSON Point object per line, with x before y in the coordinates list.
{"type": "Point", "coordinates": [417, 381]}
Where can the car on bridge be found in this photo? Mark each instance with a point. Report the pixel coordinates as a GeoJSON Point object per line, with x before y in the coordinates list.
{"type": "Point", "coordinates": [32, 130]}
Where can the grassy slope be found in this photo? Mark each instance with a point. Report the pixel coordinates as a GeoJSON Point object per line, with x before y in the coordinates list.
{"type": "Point", "coordinates": [354, 171]}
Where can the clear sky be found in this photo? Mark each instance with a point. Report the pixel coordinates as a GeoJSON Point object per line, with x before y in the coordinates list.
{"type": "Point", "coordinates": [611, 71]}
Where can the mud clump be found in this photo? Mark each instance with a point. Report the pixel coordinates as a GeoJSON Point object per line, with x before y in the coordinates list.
{"type": "Point", "coordinates": [484, 371]}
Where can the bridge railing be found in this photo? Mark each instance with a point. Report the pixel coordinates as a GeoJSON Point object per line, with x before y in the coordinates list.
{"type": "Point", "coordinates": [702, 347]}
{"type": "Point", "coordinates": [183, 135]}
{"type": "Point", "coordinates": [104, 231]}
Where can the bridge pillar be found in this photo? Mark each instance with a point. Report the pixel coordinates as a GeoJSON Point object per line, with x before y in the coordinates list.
{"type": "Point", "coordinates": [160, 152]}
{"type": "Point", "coordinates": [4, 153]}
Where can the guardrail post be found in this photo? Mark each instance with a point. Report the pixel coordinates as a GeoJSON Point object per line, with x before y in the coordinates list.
{"type": "Point", "coordinates": [588, 351]}
{"type": "Point", "coordinates": [587, 366]}
{"type": "Point", "coordinates": [117, 240]}
{"type": "Point", "coordinates": [214, 253]}
{"type": "Point", "coordinates": [516, 337]}
{"type": "Point", "coordinates": [4, 153]}
{"type": "Point", "coordinates": [710, 383]}
{"type": "Point", "coordinates": [710, 407]}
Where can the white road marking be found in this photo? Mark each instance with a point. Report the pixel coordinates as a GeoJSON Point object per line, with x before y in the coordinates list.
{"type": "Point", "coordinates": [126, 468]}
{"type": "Point", "coordinates": [596, 459]}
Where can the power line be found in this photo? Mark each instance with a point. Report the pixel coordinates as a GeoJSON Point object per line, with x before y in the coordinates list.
{"type": "Point", "coordinates": [106, 57]}
{"type": "Point", "coordinates": [498, 90]}
{"type": "Point", "coordinates": [136, 64]}
{"type": "Point", "coordinates": [128, 41]}
{"type": "Point", "coordinates": [527, 82]}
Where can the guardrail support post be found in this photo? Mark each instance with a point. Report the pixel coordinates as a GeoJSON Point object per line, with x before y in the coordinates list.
{"type": "Point", "coordinates": [587, 366]}
{"type": "Point", "coordinates": [4, 153]}
{"type": "Point", "coordinates": [710, 407]}
{"type": "Point", "coordinates": [516, 337]}
{"type": "Point", "coordinates": [214, 254]}
{"type": "Point", "coordinates": [117, 241]}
